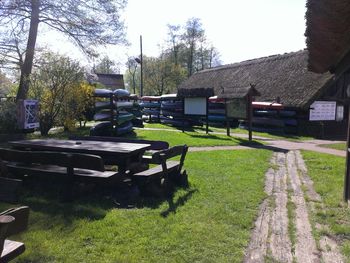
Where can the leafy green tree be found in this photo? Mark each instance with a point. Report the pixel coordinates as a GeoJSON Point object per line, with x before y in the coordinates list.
{"type": "Point", "coordinates": [189, 47]}
{"type": "Point", "coordinates": [107, 66]}
{"type": "Point", "coordinates": [87, 23]}
{"type": "Point", "coordinates": [131, 76]}
{"type": "Point", "coordinates": [161, 75]}
{"type": "Point", "coordinates": [193, 34]}
{"type": "Point", "coordinates": [5, 85]}
{"type": "Point", "coordinates": [53, 83]}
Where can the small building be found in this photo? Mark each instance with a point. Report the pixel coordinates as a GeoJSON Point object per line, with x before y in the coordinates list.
{"type": "Point", "coordinates": [279, 78]}
{"type": "Point", "coordinates": [109, 81]}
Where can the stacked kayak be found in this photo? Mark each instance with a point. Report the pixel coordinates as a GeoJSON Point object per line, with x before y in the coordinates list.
{"type": "Point", "coordinates": [115, 110]}
{"type": "Point", "coordinates": [171, 110]}
{"type": "Point", "coordinates": [216, 110]}
{"type": "Point", "coordinates": [150, 107]}
{"type": "Point", "coordinates": [273, 117]}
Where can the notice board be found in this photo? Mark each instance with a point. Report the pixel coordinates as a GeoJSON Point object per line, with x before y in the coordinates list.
{"type": "Point", "coordinates": [323, 111]}
{"type": "Point", "coordinates": [195, 106]}
{"type": "Point", "coordinates": [237, 108]}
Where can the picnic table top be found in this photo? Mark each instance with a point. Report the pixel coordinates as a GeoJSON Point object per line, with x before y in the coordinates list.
{"type": "Point", "coordinates": [90, 147]}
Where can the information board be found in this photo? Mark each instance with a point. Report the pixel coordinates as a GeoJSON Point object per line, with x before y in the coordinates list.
{"type": "Point", "coordinates": [195, 106]}
{"type": "Point", "coordinates": [28, 114]}
{"type": "Point", "coordinates": [237, 108]}
{"type": "Point", "coordinates": [323, 111]}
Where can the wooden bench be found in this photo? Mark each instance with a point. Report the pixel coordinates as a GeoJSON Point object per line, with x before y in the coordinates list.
{"type": "Point", "coordinates": [166, 173]}
{"type": "Point", "coordinates": [69, 167]}
{"type": "Point", "coordinates": [12, 249]}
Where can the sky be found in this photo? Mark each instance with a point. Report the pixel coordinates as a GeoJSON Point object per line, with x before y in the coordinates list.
{"type": "Point", "coordinates": [239, 29]}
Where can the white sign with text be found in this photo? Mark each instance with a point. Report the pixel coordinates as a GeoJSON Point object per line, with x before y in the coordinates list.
{"type": "Point", "coordinates": [323, 111]}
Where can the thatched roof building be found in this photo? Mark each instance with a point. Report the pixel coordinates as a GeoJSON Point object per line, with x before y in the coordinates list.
{"type": "Point", "coordinates": [328, 34]}
{"type": "Point", "coordinates": [282, 78]}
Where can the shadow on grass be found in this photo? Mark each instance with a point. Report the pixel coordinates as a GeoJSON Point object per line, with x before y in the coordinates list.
{"type": "Point", "coordinates": [43, 197]}
{"type": "Point", "coordinates": [173, 206]}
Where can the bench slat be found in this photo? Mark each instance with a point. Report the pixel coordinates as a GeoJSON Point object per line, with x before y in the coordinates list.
{"type": "Point", "coordinates": [35, 169]}
{"type": "Point", "coordinates": [85, 161]}
{"type": "Point", "coordinates": [158, 170]}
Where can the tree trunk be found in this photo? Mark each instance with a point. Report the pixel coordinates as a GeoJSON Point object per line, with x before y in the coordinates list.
{"type": "Point", "coordinates": [26, 69]}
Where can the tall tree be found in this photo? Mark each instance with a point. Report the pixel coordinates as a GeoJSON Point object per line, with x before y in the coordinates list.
{"type": "Point", "coordinates": [193, 34]}
{"type": "Point", "coordinates": [107, 66]}
{"type": "Point", "coordinates": [132, 69]}
{"type": "Point", "coordinates": [87, 23]}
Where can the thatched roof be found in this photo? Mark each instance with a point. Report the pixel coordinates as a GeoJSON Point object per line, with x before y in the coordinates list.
{"type": "Point", "coordinates": [283, 78]}
{"type": "Point", "coordinates": [239, 92]}
{"type": "Point", "coordinates": [196, 92]}
{"type": "Point", "coordinates": [111, 81]}
{"type": "Point", "coordinates": [327, 32]}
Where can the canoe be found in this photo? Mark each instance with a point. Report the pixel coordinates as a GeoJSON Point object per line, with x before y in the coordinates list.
{"type": "Point", "coordinates": [150, 98]}
{"type": "Point", "coordinates": [171, 105]}
{"type": "Point", "coordinates": [288, 113]}
{"type": "Point", "coordinates": [265, 113]}
{"type": "Point", "coordinates": [216, 111]}
{"type": "Point", "coordinates": [124, 117]}
{"type": "Point", "coordinates": [155, 104]}
{"type": "Point", "coordinates": [216, 105]}
{"type": "Point", "coordinates": [121, 93]}
{"type": "Point", "coordinates": [124, 104]}
{"type": "Point", "coordinates": [216, 118]}
{"type": "Point", "coordinates": [151, 111]}
{"type": "Point", "coordinates": [103, 93]}
{"type": "Point", "coordinates": [215, 99]}
{"type": "Point", "coordinates": [169, 97]}
{"type": "Point", "coordinates": [263, 121]}
{"type": "Point", "coordinates": [290, 122]}
{"type": "Point", "coordinates": [102, 116]}
{"type": "Point", "coordinates": [102, 105]}
{"type": "Point", "coordinates": [117, 104]}
{"type": "Point", "coordinates": [267, 105]}
{"type": "Point", "coordinates": [171, 113]}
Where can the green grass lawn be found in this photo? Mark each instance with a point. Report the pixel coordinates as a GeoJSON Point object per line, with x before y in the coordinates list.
{"type": "Point", "coordinates": [174, 138]}
{"type": "Point", "coordinates": [336, 146]}
{"type": "Point", "coordinates": [327, 172]}
{"type": "Point", "coordinates": [210, 221]}
{"type": "Point", "coordinates": [212, 129]}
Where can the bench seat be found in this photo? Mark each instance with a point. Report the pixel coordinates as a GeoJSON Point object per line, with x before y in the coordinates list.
{"type": "Point", "coordinates": [12, 249]}
{"type": "Point", "coordinates": [157, 171]}
{"type": "Point", "coordinates": [45, 170]}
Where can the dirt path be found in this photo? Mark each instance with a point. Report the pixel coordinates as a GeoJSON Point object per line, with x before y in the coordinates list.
{"type": "Point", "coordinates": [283, 232]}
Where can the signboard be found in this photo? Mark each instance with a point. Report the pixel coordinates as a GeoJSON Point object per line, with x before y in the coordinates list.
{"type": "Point", "coordinates": [28, 113]}
{"type": "Point", "coordinates": [195, 106]}
{"type": "Point", "coordinates": [323, 111]}
{"type": "Point", "coordinates": [237, 108]}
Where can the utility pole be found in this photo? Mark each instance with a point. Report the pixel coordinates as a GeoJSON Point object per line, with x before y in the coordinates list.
{"type": "Point", "coordinates": [141, 63]}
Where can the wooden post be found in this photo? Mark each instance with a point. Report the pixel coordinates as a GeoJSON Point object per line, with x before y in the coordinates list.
{"type": "Point", "coordinates": [250, 116]}
{"type": "Point", "coordinates": [206, 118]}
{"type": "Point", "coordinates": [347, 168]}
{"type": "Point", "coordinates": [183, 114]}
{"type": "Point", "coordinates": [227, 121]}
{"type": "Point", "coordinates": [113, 120]}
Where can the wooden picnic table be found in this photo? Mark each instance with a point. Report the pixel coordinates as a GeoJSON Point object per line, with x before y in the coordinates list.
{"type": "Point", "coordinates": [115, 153]}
